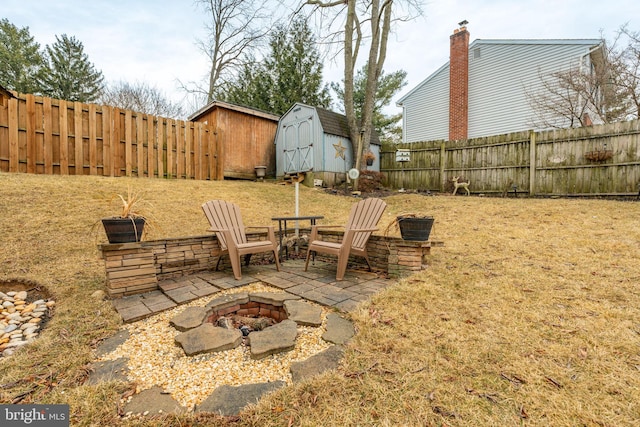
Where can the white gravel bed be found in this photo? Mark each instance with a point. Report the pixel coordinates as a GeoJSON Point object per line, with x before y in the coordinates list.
{"type": "Point", "coordinates": [155, 359]}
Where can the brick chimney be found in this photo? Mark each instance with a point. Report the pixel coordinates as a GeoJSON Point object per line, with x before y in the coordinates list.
{"type": "Point", "coordinates": [459, 84]}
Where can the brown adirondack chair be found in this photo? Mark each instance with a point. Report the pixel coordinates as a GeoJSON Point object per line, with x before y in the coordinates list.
{"type": "Point", "coordinates": [362, 222]}
{"type": "Point", "coordinates": [226, 222]}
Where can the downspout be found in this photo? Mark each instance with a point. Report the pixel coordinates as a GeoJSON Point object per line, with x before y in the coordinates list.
{"type": "Point", "coordinates": [582, 69]}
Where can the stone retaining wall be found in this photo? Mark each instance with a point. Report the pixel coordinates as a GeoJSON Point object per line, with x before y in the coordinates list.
{"type": "Point", "coordinates": [133, 268]}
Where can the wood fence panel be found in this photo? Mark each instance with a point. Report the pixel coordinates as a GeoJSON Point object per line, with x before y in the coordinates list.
{"type": "Point", "coordinates": [117, 163]}
{"type": "Point", "coordinates": [47, 111]}
{"type": "Point", "coordinates": [77, 138]}
{"type": "Point", "coordinates": [170, 148]}
{"type": "Point", "coordinates": [4, 134]}
{"type": "Point", "coordinates": [140, 154]}
{"type": "Point", "coordinates": [14, 136]}
{"type": "Point", "coordinates": [207, 172]}
{"type": "Point", "coordinates": [198, 154]}
{"type": "Point", "coordinates": [107, 127]}
{"type": "Point", "coordinates": [38, 128]}
{"type": "Point", "coordinates": [151, 148]}
{"type": "Point", "coordinates": [180, 150]}
{"type": "Point", "coordinates": [46, 136]}
{"type": "Point", "coordinates": [128, 142]}
{"type": "Point", "coordinates": [57, 136]}
{"type": "Point", "coordinates": [64, 138]}
{"type": "Point", "coordinates": [188, 152]}
{"type": "Point", "coordinates": [93, 140]}
{"type": "Point", "coordinates": [160, 135]}
{"type": "Point", "coordinates": [31, 134]}
{"type": "Point", "coordinates": [546, 163]}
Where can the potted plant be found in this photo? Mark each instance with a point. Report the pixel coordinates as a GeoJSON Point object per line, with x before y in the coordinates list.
{"type": "Point", "coordinates": [128, 226]}
{"type": "Point", "coordinates": [369, 157]}
{"type": "Point", "coordinates": [412, 226]}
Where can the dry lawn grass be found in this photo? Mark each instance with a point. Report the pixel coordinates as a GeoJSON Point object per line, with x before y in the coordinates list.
{"type": "Point", "coordinates": [530, 315]}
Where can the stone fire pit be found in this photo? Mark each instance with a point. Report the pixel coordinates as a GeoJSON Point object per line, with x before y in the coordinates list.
{"type": "Point", "coordinates": [231, 320]}
{"type": "Point", "coordinates": [148, 353]}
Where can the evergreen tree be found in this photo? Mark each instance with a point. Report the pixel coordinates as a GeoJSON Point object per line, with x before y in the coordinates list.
{"type": "Point", "coordinates": [20, 58]}
{"type": "Point", "coordinates": [292, 72]}
{"type": "Point", "coordinates": [68, 74]}
{"type": "Point", "coordinates": [388, 86]}
{"type": "Point", "coordinates": [251, 88]}
{"type": "Point", "coordinates": [295, 68]}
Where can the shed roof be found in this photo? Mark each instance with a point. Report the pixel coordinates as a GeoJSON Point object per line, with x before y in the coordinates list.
{"type": "Point", "coordinates": [336, 124]}
{"type": "Point", "coordinates": [234, 107]}
{"type": "Point", "coordinates": [333, 123]}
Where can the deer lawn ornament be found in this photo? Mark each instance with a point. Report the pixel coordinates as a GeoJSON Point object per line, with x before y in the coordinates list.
{"type": "Point", "coordinates": [457, 185]}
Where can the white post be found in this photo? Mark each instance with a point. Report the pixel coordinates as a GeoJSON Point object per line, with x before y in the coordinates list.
{"type": "Point", "coordinates": [297, 208]}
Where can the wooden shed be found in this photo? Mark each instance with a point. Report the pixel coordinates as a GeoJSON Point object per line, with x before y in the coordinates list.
{"type": "Point", "coordinates": [5, 95]}
{"type": "Point", "coordinates": [315, 141]}
{"type": "Point", "coordinates": [246, 136]}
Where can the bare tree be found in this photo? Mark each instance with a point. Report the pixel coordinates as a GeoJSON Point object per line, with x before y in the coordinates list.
{"type": "Point", "coordinates": [364, 21]}
{"type": "Point", "coordinates": [236, 28]}
{"type": "Point", "coordinates": [629, 79]}
{"type": "Point", "coordinates": [140, 97]}
{"type": "Point", "coordinates": [568, 98]}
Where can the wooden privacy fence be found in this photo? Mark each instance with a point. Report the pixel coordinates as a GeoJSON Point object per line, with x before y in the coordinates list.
{"type": "Point", "coordinates": [48, 136]}
{"type": "Point", "coordinates": [597, 160]}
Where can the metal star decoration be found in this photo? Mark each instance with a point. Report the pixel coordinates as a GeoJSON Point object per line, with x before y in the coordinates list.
{"type": "Point", "coordinates": [340, 149]}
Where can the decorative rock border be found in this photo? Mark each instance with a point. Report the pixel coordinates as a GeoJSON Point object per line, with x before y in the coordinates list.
{"type": "Point", "coordinates": [19, 321]}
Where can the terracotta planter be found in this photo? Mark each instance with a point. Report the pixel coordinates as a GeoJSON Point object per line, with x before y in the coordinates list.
{"type": "Point", "coordinates": [123, 230]}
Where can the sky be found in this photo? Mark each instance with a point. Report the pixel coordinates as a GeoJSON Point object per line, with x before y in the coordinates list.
{"type": "Point", "coordinates": [155, 41]}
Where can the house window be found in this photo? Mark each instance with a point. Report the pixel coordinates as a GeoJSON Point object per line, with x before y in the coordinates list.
{"type": "Point", "coordinates": [476, 53]}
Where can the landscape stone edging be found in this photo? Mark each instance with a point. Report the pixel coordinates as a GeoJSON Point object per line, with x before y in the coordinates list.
{"type": "Point", "coordinates": [208, 338]}
{"type": "Point", "coordinates": [228, 400]}
{"type": "Point", "coordinates": [275, 339]}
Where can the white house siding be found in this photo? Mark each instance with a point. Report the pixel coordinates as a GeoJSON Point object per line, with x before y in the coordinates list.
{"type": "Point", "coordinates": [426, 110]}
{"type": "Point", "coordinates": [503, 76]}
{"type": "Point", "coordinates": [499, 81]}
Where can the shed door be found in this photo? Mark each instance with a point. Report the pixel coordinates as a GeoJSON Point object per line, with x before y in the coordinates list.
{"type": "Point", "coordinates": [298, 146]}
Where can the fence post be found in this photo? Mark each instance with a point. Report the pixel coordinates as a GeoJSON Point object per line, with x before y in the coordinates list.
{"type": "Point", "coordinates": [152, 160]}
{"type": "Point", "coordinates": [532, 163]}
{"type": "Point", "coordinates": [128, 143]}
{"type": "Point", "coordinates": [64, 138]}
{"type": "Point", "coordinates": [139, 145]}
{"type": "Point", "coordinates": [93, 140]}
{"type": "Point", "coordinates": [48, 135]}
{"type": "Point", "coordinates": [14, 158]}
{"type": "Point", "coordinates": [107, 152]}
{"type": "Point", "coordinates": [78, 162]}
{"type": "Point", "coordinates": [443, 153]}
{"type": "Point", "coordinates": [219, 141]}
{"type": "Point", "coordinates": [30, 105]}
